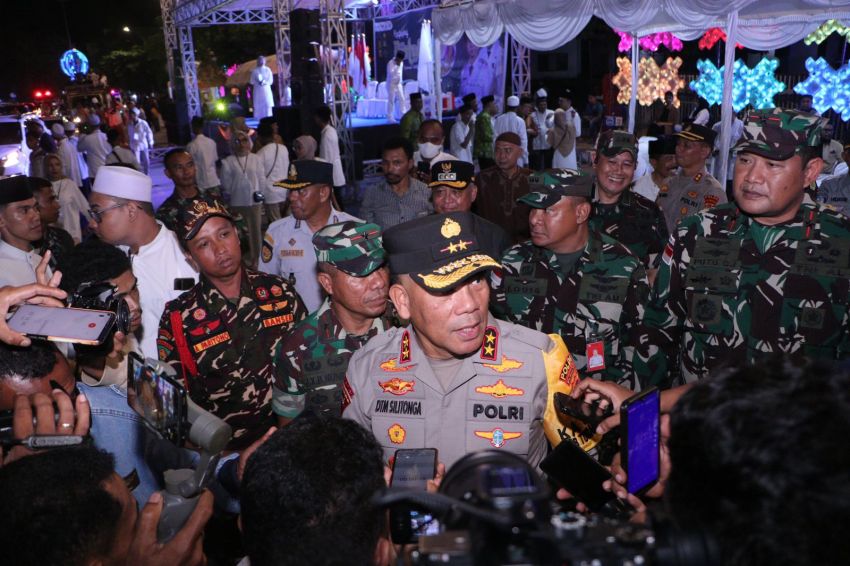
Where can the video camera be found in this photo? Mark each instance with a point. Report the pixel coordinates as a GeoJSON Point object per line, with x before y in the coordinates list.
{"type": "Point", "coordinates": [494, 509]}
{"type": "Point", "coordinates": [154, 393]}
{"type": "Point", "coordinates": [102, 296]}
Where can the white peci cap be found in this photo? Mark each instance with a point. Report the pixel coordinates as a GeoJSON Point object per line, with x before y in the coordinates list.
{"type": "Point", "coordinates": [123, 182]}
{"type": "Point", "coordinates": [513, 101]}
{"type": "Point", "coordinates": [541, 93]}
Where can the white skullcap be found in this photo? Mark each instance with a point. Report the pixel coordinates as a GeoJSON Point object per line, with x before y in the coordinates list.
{"type": "Point", "coordinates": [58, 130]}
{"type": "Point", "coordinates": [541, 93]}
{"type": "Point", "coordinates": [513, 101]}
{"type": "Point", "coordinates": [123, 182]}
{"type": "Point", "coordinates": [136, 111]}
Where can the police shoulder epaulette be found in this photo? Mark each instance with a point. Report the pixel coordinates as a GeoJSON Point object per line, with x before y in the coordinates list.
{"type": "Point", "coordinates": [534, 338]}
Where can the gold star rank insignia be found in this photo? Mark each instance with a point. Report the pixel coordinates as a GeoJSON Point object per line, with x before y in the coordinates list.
{"type": "Point", "coordinates": [491, 343]}
{"type": "Point", "coordinates": [404, 356]}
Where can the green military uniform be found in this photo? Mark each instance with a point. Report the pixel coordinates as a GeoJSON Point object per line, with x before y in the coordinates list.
{"type": "Point", "coordinates": [634, 221]}
{"type": "Point", "coordinates": [482, 143]}
{"type": "Point", "coordinates": [410, 123]}
{"type": "Point", "coordinates": [596, 305]}
{"type": "Point", "coordinates": [731, 291]}
{"type": "Point", "coordinates": [498, 397]}
{"type": "Point", "coordinates": [226, 346]}
{"type": "Point", "coordinates": [314, 356]}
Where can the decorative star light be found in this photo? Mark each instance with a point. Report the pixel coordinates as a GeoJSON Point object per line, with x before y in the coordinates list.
{"type": "Point", "coordinates": [756, 86]}
{"type": "Point", "coordinates": [825, 30]}
{"type": "Point", "coordinates": [650, 42]}
{"type": "Point", "coordinates": [712, 36]}
{"type": "Point", "coordinates": [653, 81]}
{"type": "Point", "coordinates": [829, 88]}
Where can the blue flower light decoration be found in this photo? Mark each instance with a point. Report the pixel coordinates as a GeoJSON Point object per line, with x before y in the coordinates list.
{"type": "Point", "coordinates": [828, 87]}
{"type": "Point", "coordinates": [74, 62]}
{"type": "Point", "coordinates": [756, 86]}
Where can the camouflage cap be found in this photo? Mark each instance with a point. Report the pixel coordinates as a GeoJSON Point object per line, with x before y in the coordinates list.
{"type": "Point", "coordinates": [614, 142]}
{"type": "Point", "coordinates": [776, 133]}
{"type": "Point", "coordinates": [192, 218]}
{"type": "Point", "coordinates": [547, 187]}
{"type": "Point", "coordinates": [355, 248]}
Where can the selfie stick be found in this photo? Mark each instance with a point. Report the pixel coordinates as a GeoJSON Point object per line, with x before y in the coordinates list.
{"type": "Point", "coordinates": [183, 487]}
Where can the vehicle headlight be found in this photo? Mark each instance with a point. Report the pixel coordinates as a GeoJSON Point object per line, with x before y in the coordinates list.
{"type": "Point", "coordinates": [11, 159]}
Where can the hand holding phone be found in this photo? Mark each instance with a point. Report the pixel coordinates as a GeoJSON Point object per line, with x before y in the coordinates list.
{"type": "Point", "coordinates": [640, 441]}
{"type": "Point", "coordinates": [591, 413]}
{"type": "Point", "coordinates": [577, 472]}
{"type": "Point", "coordinates": [411, 470]}
{"type": "Point", "coordinates": [78, 326]}
{"type": "Point", "coordinates": [156, 397]}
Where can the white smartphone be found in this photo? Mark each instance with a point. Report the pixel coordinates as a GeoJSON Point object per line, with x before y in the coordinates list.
{"type": "Point", "coordinates": [79, 326]}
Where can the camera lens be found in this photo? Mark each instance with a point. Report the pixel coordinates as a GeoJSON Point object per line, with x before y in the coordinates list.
{"type": "Point", "coordinates": [122, 315]}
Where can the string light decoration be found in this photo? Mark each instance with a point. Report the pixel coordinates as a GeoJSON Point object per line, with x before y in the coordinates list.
{"type": "Point", "coordinates": [653, 81]}
{"type": "Point", "coordinates": [710, 38]}
{"type": "Point", "coordinates": [828, 87]}
{"type": "Point", "coordinates": [757, 86]}
{"type": "Point", "coordinates": [825, 30]}
{"type": "Point", "coordinates": [650, 42]}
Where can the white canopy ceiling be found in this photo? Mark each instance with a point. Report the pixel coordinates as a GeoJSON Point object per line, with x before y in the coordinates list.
{"type": "Point", "coordinates": [544, 25]}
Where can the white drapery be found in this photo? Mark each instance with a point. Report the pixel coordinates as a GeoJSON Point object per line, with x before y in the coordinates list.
{"type": "Point", "coordinates": [425, 67]}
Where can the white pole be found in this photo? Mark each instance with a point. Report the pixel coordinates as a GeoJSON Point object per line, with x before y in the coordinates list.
{"type": "Point", "coordinates": [726, 110]}
{"type": "Point", "coordinates": [633, 98]}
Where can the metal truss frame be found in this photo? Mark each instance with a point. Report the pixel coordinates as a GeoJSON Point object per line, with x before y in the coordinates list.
{"type": "Point", "coordinates": [189, 12]}
{"type": "Point", "coordinates": [335, 74]}
{"type": "Point", "coordinates": [520, 68]}
{"type": "Point", "coordinates": [230, 17]}
{"type": "Point", "coordinates": [190, 70]}
{"type": "Point", "coordinates": [282, 48]}
{"type": "Point", "coordinates": [169, 32]}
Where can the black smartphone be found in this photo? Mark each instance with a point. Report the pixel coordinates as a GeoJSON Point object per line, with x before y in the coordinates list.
{"type": "Point", "coordinates": [78, 326]}
{"type": "Point", "coordinates": [158, 398]}
{"type": "Point", "coordinates": [411, 470]}
{"type": "Point", "coordinates": [589, 413]}
{"type": "Point", "coordinates": [578, 473]}
{"type": "Point", "coordinates": [640, 427]}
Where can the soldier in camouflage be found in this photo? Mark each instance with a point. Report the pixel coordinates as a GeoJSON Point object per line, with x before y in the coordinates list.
{"type": "Point", "coordinates": [574, 281]}
{"type": "Point", "coordinates": [692, 189]}
{"type": "Point", "coordinates": [768, 273]}
{"type": "Point", "coordinates": [180, 168]}
{"type": "Point", "coordinates": [314, 356]}
{"type": "Point", "coordinates": [633, 220]}
{"type": "Point", "coordinates": [223, 333]}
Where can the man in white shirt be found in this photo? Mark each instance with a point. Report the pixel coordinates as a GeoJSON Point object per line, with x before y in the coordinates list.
{"type": "Point", "coordinates": [329, 144]}
{"type": "Point", "coordinates": [511, 122]}
{"type": "Point", "coordinates": [431, 139]}
{"type": "Point", "coordinates": [74, 141]}
{"type": "Point", "coordinates": [95, 145]}
{"type": "Point", "coordinates": [122, 215]}
{"type": "Point", "coordinates": [205, 154]}
{"type": "Point", "coordinates": [274, 159]}
{"type": "Point", "coordinates": [735, 134]}
{"type": "Point", "coordinates": [662, 158]}
{"type": "Point", "coordinates": [544, 120]}
{"type": "Point", "coordinates": [121, 153]}
{"type": "Point", "coordinates": [20, 226]}
{"type": "Point", "coordinates": [395, 70]}
{"type": "Point", "coordinates": [565, 105]}
{"type": "Point", "coordinates": [141, 139]}
{"type": "Point", "coordinates": [68, 154]}
{"type": "Point", "coordinates": [461, 136]}
{"type": "Point", "coordinates": [261, 80]}
{"type": "Point", "coordinates": [288, 243]}
{"type": "Point", "coordinates": [832, 149]}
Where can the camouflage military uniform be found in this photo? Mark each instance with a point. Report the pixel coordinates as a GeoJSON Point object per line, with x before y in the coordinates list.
{"type": "Point", "coordinates": [600, 300]}
{"type": "Point", "coordinates": [635, 222]}
{"type": "Point", "coordinates": [313, 358]}
{"type": "Point", "coordinates": [731, 291]}
{"type": "Point", "coordinates": [226, 348]}
{"type": "Point", "coordinates": [682, 196]}
{"type": "Point", "coordinates": [169, 210]}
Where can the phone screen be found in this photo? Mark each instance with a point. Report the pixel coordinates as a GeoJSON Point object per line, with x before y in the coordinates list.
{"type": "Point", "coordinates": [642, 434]}
{"type": "Point", "coordinates": [157, 398]}
{"type": "Point", "coordinates": [80, 326]}
{"type": "Point", "coordinates": [411, 470]}
{"type": "Point", "coordinates": [505, 481]}
{"type": "Point", "coordinates": [578, 473]}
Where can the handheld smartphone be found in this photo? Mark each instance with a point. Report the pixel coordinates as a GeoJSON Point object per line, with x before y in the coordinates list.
{"type": "Point", "coordinates": [157, 398]}
{"type": "Point", "coordinates": [78, 326]}
{"type": "Point", "coordinates": [411, 470]}
{"type": "Point", "coordinates": [577, 472]}
{"type": "Point", "coordinates": [641, 433]}
{"type": "Point", "coordinates": [588, 413]}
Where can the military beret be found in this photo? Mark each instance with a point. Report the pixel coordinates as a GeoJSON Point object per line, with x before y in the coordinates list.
{"type": "Point", "coordinates": [695, 132]}
{"type": "Point", "coordinates": [452, 173]}
{"type": "Point", "coordinates": [306, 172]}
{"type": "Point", "coordinates": [192, 218]}
{"type": "Point", "coordinates": [614, 142]}
{"type": "Point", "coordinates": [439, 251]}
{"type": "Point", "coordinates": [14, 189]}
{"type": "Point", "coordinates": [352, 247]}
{"type": "Point", "coordinates": [776, 133]}
{"type": "Point", "coordinates": [547, 187]}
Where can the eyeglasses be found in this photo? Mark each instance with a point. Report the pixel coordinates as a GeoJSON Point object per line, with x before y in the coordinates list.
{"type": "Point", "coordinates": [97, 215]}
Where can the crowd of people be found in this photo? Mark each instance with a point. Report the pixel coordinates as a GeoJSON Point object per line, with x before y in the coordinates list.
{"type": "Point", "coordinates": [472, 284]}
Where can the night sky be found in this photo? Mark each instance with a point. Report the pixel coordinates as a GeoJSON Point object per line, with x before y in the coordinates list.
{"type": "Point", "coordinates": [33, 37]}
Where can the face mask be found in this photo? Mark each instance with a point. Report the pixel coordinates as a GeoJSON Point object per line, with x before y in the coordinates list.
{"type": "Point", "coordinates": [429, 150]}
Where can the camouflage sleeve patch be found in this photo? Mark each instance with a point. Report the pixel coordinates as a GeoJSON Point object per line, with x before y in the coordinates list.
{"type": "Point", "coordinates": [164, 345]}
